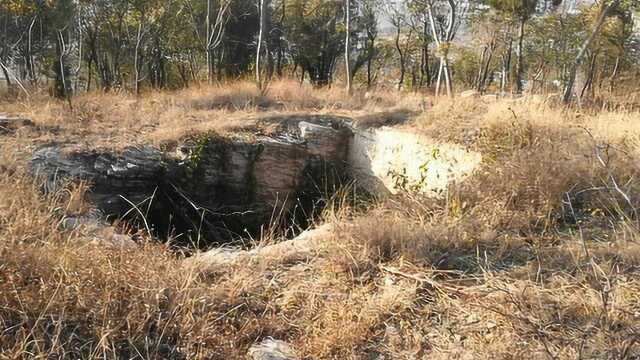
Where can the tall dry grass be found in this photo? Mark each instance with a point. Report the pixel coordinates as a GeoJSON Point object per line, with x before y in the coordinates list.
{"type": "Point", "coordinates": [120, 119]}
{"type": "Point", "coordinates": [536, 256]}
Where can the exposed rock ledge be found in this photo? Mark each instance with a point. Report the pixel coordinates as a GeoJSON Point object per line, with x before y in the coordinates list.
{"type": "Point", "coordinates": [224, 187]}
{"type": "Point", "coordinates": [301, 248]}
{"type": "Point", "coordinates": [220, 186]}
{"type": "Point", "coordinates": [387, 160]}
{"type": "Point", "coordinates": [9, 125]}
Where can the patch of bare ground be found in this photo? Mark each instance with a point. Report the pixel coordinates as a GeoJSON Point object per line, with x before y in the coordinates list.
{"type": "Point", "coordinates": [535, 256]}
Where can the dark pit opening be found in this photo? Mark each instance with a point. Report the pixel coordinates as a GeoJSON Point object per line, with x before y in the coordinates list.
{"type": "Point", "coordinates": [212, 189]}
{"type": "Point", "coordinates": [173, 214]}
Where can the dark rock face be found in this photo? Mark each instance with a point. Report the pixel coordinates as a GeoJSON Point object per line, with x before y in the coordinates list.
{"type": "Point", "coordinates": [132, 174]}
{"type": "Point", "coordinates": [218, 187]}
{"type": "Point", "coordinates": [9, 125]}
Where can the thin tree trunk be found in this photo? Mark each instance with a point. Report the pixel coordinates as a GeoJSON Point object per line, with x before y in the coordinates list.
{"type": "Point", "coordinates": [427, 67]}
{"type": "Point", "coordinates": [590, 76]}
{"type": "Point", "coordinates": [483, 56]}
{"type": "Point", "coordinates": [6, 77]}
{"type": "Point", "coordinates": [30, 67]}
{"type": "Point", "coordinates": [447, 77]}
{"type": "Point", "coordinates": [506, 67]}
{"type": "Point", "coordinates": [370, 62]}
{"type": "Point", "coordinates": [604, 12]}
{"type": "Point", "coordinates": [444, 61]}
{"type": "Point", "coordinates": [485, 72]}
{"type": "Point", "coordinates": [207, 44]}
{"type": "Point", "coordinates": [136, 59]}
{"type": "Point", "coordinates": [614, 74]}
{"type": "Point", "coordinates": [401, 55]}
{"type": "Point", "coordinates": [439, 80]}
{"type": "Point", "coordinates": [520, 58]}
{"type": "Point", "coordinates": [347, 45]}
{"type": "Point", "coordinates": [89, 73]}
{"type": "Point", "coordinates": [263, 25]}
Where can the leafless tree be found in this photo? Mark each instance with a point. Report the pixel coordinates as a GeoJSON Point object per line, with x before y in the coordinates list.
{"type": "Point", "coordinates": [605, 9]}
{"type": "Point", "coordinates": [443, 34]}
{"type": "Point", "coordinates": [397, 16]}
{"type": "Point", "coordinates": [215, 31]}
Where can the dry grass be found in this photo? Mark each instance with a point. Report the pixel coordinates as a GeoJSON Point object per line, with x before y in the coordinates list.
{"type": "Point", "coordinates": [534, 257]}
{"type": "Point", "coordinates": [114, 120]}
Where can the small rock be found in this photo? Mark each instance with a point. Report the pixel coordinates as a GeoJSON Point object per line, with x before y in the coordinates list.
{"type": "Point", "coordinates": [271, 349]}
{"type": "Point", "coordinates": [10, 125]}
{"type": "Point", "coordinates": [110, 237]}
{"type": "Point", "coordinates": [91, 222]}
{"type": "Point", "coordinates": [468, 94]}
{"type": "Point", "coordinates": [70, 223]}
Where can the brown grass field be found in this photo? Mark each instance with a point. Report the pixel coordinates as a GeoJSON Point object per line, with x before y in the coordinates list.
{"type": "Point", "coordinates": [536, 256]}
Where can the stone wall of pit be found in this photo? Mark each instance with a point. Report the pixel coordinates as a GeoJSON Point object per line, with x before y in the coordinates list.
{"type": "Point", "coordinates": [225, 187]}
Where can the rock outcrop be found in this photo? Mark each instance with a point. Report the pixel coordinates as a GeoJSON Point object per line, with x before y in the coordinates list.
{"type": "Point", "coordinates": [225, 187]}
{"type": "Point", "coordinates": [117, 178]}
{"type": "Point", "coordinates": [218, 186]}
{"type": "Point", "coordinates": [387, 160]}
{"type": "Point", "coordinates": [301, 248]}
{"type": "Point", "coordinates": [9, 125]}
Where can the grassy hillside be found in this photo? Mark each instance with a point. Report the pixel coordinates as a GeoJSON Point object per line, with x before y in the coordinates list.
{"type": "Point", "coordinates": [536, 256]}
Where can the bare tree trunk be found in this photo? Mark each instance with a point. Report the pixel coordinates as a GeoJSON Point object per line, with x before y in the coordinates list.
{"type": "Point", "coordinates": [592, 69]}
{"type": "Point", "coordinates": [492, 48]}
{"type": "Point", "coordinates": [76, 73]}
{"type": "Point", "coordinates": [614, 74]}
{"type": "Point", "coordinates": [447, 77]}
{"type": "Point", "coordinates": [208, 45]}
{"type": "Point", "coordinates": [4, 52]}
{"type": "Point", "coordinates": [6, 77]}
{"type": "Point", "coordinates": [372, 39]}
{"type": "Point", "coordinates": [439, 79]}
{"type": "Point", "coordinates": [401, 55]}
{"type": "Point", "coordinates": [30, 67]}
{"type": "Point", "coordinates": [427, 67]}
{"type": "Point", "coordinates": [89, 74]}
{"type": "Point", "coordinates": [449, 38]}
{"type": "Point", "coordinates": [483, 57]}
{"type": "Point", "coordinates": [263, 20]}
{"type": "Point", "coordinates": [347, 45]}
{"type": "Point", "coordinates": [520, 58]}
{"type": "Point", "coordinates": [17, 80]}
{"type": "Point", "coordinates": [443, 45]}
{"type": "Point", "coordinates": [61, 86]}
{"type": "Point", "coordinates": [485, 72]}
{"type": "Point", "coordinates": [506, 67]}
{"type": "Point", "coordinates": [369, 73]}
{"type": "Point", "coordinates": [215, 33]}
{"type": "Point", "coordinates": [438, 46]}
{"type": "Point", "coordinates": [136, 58]}
{"type": "Point", "coordinates": [604, 12]}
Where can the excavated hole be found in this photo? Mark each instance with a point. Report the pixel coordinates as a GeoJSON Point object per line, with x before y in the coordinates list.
{"type": "Point", "coordinates": [274, 180]}
{"type": "Point", "coordinates": [213, 189]}
{"type": "Point", "coordinates": [173, 214]}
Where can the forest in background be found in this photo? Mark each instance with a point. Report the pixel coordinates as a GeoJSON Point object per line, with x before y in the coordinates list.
{"type": "Point", "coordinates": [507, 46]}
{"type": "Point", "coordinates": [535, 255]}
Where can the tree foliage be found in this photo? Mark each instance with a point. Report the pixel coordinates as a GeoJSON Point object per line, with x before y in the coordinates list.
{"type": "Point", "coordinates": [504, 45]}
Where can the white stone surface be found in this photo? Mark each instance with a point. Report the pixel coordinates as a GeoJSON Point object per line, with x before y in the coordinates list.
{"type": "Point", "coordinates": [387, 160]}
